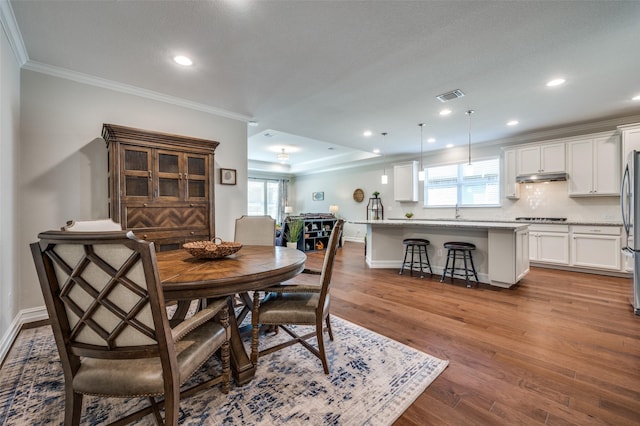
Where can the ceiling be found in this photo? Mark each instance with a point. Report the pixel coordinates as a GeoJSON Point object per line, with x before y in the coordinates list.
{"type": "Point", "coordinates": [315, 74]}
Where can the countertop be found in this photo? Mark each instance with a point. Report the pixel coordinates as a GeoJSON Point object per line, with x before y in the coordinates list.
{"type": "Point", "coordinates": [452, 223]}
{"type": "Point", "coordinates": [484, 222]}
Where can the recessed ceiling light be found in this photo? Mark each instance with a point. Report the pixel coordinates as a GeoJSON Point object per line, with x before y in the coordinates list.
{"type": "Point", "coordinates": [183, 60]}
{"type": "Point", "coordinates": [376, 151]}
{"type": "Point", "coordinates": [512, 122]}
{"type": "Point", "coordinates": [431, 140]}
{"type": "Point", "coordinates": [445, 112]}
{"type": "Point", "coordinates": [449, 145]}
{"type": "Point", "coordinates": [253, 123]}
{"type": "Point", "coordinates": [636, 98]}
{"type": "Point", "coordinates": [367, 133]}
{"type": "Point", "coordinates": [555, 82]}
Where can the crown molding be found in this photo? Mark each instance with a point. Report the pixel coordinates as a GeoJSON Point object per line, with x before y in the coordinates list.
{"type": "Point", "coordinates": [11, 30]}
{"type": "Point", "coordinates": [128, 89]}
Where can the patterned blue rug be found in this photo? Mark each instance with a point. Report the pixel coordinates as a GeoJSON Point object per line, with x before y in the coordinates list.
{"type": "Point", "coordinates": [373, 380]}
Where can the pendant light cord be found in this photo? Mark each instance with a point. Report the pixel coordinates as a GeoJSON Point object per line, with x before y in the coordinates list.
{"type": "Point", "coordinates": [421, 126]}
{"type": "Point", "coordinates": [469, 112]}
{"type": "Point", "coordinates": [384, 153]}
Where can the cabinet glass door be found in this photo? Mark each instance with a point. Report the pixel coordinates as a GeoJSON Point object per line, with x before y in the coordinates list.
{"type": "Point", "coordinates": [197, 177]}
{"type": "Point", "coordinates": [169, 174]}
{"type": "Point", "coordinates": [136, 172]}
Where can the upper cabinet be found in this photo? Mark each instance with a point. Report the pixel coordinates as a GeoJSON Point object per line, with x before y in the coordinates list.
{"type": "Point", "coordinates": [405, 181]}
{"type": "Point", "coordinates": [160, 185]}
{"type": "Point", "coordinates": [511, 188]}
{"type": "Point", "coordinates": [545, 158]}
{"type": "Point", "coordinates": [593, 164]}
{"type": "Point", "coordinates": [630, 139]}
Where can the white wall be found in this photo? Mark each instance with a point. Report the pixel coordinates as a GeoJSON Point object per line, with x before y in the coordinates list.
{"type": "Point", "coordinates": [537, 200]}
{"type": "Point", "coordinates": [9, 138]}
{"type": "Point", "coordinates": [63, 160]}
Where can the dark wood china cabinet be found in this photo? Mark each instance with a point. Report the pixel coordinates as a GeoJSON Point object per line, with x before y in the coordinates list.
{"type": "Point", "coordinates": [161, 186]}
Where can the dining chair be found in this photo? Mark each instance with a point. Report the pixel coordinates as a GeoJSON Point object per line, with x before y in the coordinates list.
{"type": "Point", "coordinates": [92, 225]}
{"type": "Point", "coordinates": [107, 311]}
{"type": "Point", "coordinates": [298, 304]}
{"type": "Point", "coordinates": [177, 310]}
{"type": "Point", "coordinates": [253, 231]}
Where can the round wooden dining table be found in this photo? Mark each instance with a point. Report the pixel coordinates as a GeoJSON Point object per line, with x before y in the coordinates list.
{"type": "Point", "coordinates": [252, 268]}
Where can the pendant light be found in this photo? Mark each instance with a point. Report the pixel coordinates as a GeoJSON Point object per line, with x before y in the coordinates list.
{"type": "Point", "coordinates": [469, 166]}
{"type": "Point", "coordinates": [421, 171]}
{"type": "Point", "coordinates": [385, 178]}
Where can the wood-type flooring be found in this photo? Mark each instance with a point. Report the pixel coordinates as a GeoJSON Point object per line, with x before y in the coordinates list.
{"type": "Point", "coordinates": [559, 348]}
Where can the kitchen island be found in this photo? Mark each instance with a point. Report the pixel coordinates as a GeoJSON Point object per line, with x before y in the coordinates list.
{"type": "Point", "coordinates": [502, 248]}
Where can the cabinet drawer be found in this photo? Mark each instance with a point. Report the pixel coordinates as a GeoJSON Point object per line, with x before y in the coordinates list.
{"type": "Point", "coordinates": [539, 227]}
{"type": "Point", "coordinates": [600, 230]}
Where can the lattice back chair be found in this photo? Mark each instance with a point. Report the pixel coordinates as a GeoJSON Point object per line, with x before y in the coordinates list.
{"type": "Point", "coordinates": [297, 304]}
{"type": "Point", "coordinates": [92, 225]}
{"type": "Point", "coordinates": [177, 310]}
{"type": "Point", "coordinates": [253, 231]}
{"type": "Point", "coordinates": [107, 311]}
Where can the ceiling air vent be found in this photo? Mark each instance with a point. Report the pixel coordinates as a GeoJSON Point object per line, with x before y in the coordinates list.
{"type": "Point", "coordinates": [449, 96]}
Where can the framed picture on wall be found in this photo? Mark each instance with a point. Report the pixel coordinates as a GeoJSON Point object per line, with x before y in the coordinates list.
{"type": "Point", "coordinates": [228, 176]}
{"type": "Point", "coordinates": [317, 196]}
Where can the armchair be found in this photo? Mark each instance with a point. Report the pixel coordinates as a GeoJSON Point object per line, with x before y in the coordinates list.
{"type": "Point", "coordinates": [106, 306]}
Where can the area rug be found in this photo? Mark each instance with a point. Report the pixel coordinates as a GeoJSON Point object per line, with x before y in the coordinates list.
{"type": "Point", "coordinates": [372, 382]}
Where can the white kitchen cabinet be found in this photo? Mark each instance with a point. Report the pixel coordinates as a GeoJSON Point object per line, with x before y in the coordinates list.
{"type": "Point", "coordinates": [593, 165]}
{"type": "Point", "coordinates": [544, 158]}
{"type": "Point", "coordinates": [405, 181]}
{"type": "Point", "coordinates": [630, 139]}
{"type": "Point", "coordinates": [549, 244]}
{"type": "Point", "coordinates": [511, 187]}
{"type": "Point", "coordinates": [596, 247]}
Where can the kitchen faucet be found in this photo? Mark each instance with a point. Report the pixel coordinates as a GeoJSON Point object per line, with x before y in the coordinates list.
{"type": "Point", "coordinates": [457, 211]}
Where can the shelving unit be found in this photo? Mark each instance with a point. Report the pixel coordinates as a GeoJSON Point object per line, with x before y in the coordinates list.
{"type": "Point", "coordinates": [316, 232]}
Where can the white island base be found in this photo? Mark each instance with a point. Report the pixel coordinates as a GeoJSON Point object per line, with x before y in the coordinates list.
{"type": "Point", "coordinates": [501, 257]}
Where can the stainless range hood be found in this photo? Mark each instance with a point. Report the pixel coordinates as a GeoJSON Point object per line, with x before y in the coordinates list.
{"type": "Point", "coordinates": [542, 177]}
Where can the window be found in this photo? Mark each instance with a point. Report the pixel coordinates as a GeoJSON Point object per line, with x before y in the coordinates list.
{"type": "Point", "coordinates": [463, 185]}
{"type": "Point", "coordinates": [264, 197]}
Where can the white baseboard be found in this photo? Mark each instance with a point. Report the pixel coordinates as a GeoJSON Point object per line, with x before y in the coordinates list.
{"type": "Point", "coordinates": [25, 316]}
{"type": "Point", "coordinates": [353, 239]}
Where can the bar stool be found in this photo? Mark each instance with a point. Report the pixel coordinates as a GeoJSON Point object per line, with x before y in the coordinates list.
{"type": "Point", "coordinates": [411, 244]}
{"type": "Point", "coordinates": [459, 251]}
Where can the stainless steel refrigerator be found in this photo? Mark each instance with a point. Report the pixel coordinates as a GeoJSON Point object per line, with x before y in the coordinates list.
{"type": "Point", "coordinates": [630, 205]}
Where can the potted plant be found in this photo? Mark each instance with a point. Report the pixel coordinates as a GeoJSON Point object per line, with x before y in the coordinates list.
{"type": "Point", "coordinates": [408, 215]}
{"type": "Point", "coordinates": [375, 194]}
{"type": "Point", "coordinates": [293, 232]}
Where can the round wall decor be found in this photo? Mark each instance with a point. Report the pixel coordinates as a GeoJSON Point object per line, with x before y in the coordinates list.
{"type": "Point", "coordinates": [358, 195]}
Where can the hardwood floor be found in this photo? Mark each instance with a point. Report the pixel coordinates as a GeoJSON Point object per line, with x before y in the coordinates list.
{"type": "Point", "coordinates": [559, 348]}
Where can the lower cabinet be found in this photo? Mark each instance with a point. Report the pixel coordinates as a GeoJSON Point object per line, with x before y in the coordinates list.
{"type": "Point", "coordinates": [596, 247]}
{"type": "Point", "coordinates": [581, 246]}
{"type": "Point", "coordinates": [549, 244]}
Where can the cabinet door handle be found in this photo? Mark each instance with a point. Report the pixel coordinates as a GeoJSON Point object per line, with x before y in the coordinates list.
{"type": "Point", "coordinates": [150, 174]}
{"type": "Point", "coordinates": [145, 205]}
